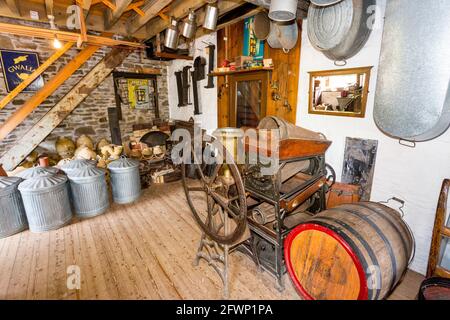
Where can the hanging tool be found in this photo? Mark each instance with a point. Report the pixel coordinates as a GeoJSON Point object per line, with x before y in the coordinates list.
{"type": "Point", "coordinates": [178, 75]}
{"type": "Point", "coordinates": [186, 85]}
{"type": "Point", "coordinates": [194, 76]}
{"type": "Point", "coordinates": [211, 52]}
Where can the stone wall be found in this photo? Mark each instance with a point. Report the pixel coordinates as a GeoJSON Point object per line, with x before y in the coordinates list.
{"type": "Point", "coordinates": [91, 116]}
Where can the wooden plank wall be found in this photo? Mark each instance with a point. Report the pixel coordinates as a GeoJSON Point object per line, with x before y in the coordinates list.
{"type": "Point", "coordinates": [286, 73]}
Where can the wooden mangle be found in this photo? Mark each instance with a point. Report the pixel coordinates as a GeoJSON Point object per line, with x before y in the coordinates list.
{"type": "Point", "coordinates": [240, 203]}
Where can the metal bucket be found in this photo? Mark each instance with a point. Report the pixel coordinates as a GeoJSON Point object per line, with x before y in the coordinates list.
{"type": "Point", "coordinates": [172, 33]}
{"type": "Point", "coordinates": [46, 202]}
{"type": "Point", "coordinates": [77, 164]}
{"type": "Point", "coordinates": [340, 30]}
{"type": "Point", "coordinates": [37, 172]}
{"type": "Point", "coordinates": [283, 35]}
{"type": "Point", "coordinates": [211, 17]}
{"type": "Point", "coordinates": [89, 191]}
{"type": "Point", "coordinates": [189, 26]}
{"type": "Point", "coordinates": [283, 10]}
{"type": "Point", "coordinates": [12, 213]}
{"type": "Point", "coordinates": [125, 180]}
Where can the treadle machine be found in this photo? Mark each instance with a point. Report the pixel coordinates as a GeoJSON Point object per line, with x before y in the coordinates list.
{"type": "Point", "coordinates": [240, 206]}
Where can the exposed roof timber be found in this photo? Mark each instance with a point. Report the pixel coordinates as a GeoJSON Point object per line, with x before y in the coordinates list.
{"type": "Point", "coordinates": [65, 36]}
{"type": "Point", "coordinates": [179, 9]}
{"type": "Point", "coordinates": [13, 6]}
{"type": "Point", "coordinates": [151, 10]}
{"type": "Point", "coordinates": [111, 17]}
{"type": "Point", "coordinates": [94, 22]}
{"type": "Point", "coordinates": [49, 7]}
{"type": "Point", "coordinates": [158, 25]}
{"type": "Point", "coordinates": [302, 6]}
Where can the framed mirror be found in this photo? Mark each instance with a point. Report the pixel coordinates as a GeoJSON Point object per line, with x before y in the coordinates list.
{"type": "Point", "coordinates": [339, 92]}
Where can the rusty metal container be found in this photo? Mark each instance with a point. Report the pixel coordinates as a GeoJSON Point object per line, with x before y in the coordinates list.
{"type": "Point", "coordinates": [12, 213]}
{"type": "Point", "coordinates": [125, 180]}
{"type": "Point", "coordinates": [89, 191]}
{"type": "Point", "coordinates": [46, 202]}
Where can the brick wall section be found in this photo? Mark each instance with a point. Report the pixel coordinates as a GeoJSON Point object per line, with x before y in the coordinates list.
{"type": "Point", "coordinates": [91, 116]}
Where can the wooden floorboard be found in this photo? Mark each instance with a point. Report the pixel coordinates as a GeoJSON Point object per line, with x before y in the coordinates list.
{"type": "Point", "coordinates": [144, 250]}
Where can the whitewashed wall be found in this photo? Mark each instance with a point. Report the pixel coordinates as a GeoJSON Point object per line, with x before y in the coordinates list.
{"type": "Point", "coordinates": [208, 97]}
{"type": "Point", "coordinates": [414, 175]}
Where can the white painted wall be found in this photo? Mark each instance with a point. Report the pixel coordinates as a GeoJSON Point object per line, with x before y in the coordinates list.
{"type": "Point", "coordinates": [414, 175]}
{"type": "Point", "coordinates": [207, 97]}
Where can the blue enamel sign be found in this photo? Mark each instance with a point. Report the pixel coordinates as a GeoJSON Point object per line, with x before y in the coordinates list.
{"type": "Point", "coordinates": [18, 66]}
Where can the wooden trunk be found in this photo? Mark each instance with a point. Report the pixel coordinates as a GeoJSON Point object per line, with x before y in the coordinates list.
{"type": "Point", "coordinates": [342, 193]}
{"type": "Point", "coordinates": [355, 251]}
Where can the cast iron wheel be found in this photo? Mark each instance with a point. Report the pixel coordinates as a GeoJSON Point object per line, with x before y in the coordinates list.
{"type": "Point", "coordinates": [213, 195]}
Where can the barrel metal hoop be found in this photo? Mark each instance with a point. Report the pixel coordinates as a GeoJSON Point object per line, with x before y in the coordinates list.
{"type": "Point", "coordinates": [382, 236]}
{"type": "Point", "coordinates": [355, 248]}
{"type": "Point", "coordinates": [386, 217]}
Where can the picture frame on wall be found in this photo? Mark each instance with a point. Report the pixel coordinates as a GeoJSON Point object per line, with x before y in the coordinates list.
{"type": "Point", "coordinates": [17, 66]}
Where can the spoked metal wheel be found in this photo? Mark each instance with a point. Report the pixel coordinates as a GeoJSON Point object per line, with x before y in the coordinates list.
{"type": "Point", "coordinates": [216, 195]}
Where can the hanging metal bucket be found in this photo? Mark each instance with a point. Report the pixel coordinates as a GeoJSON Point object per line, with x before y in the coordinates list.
{"type": "Point", "coordinates": [125, 180]}
{"type": "Point", "coordinates": [283, 10]}
{"type": "Point", "coordinates": [211, 17]}
{"type": "Point", "coordinates": [89, 191]}
{"type": "Point", "coordinates": [283, 35]}
{"type": "Point", "coordinates": [189, 26]}
{"type": "Point", "coordinates": [46, 202]}
{"type": "Point", "coordinates": [340, 30]}
{"type": "Point", "coordinates": [12, 213]}
{"type": "Point", "coordinates": [172, 33]}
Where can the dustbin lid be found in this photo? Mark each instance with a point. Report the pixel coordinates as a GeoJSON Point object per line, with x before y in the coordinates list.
{"type": "Point", "coordinates": [42, 183]}
{"type": "Point", "coordinates": [86, 173]}
{"type": "Point", "coordinates": [123, 164]}
{"type": "Point", "coordinates": [77, 164]}
{"type": "Point", "coordinates": [8, 184]}
{"type": "Point", "coordinates": [36, 172]}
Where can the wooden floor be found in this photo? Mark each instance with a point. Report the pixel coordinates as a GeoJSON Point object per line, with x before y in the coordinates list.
{"type": "Point", "coordinates": [139, 251]}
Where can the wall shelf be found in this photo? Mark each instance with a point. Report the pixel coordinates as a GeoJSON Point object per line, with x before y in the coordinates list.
{"type": "Point", "coordinates": [228, 73]}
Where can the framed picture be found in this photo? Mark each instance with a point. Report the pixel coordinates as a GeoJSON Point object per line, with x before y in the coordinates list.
{"type": "Point", "coordinates": [359, 164]}
{"type": "Point", "coordinates": [18, 66]}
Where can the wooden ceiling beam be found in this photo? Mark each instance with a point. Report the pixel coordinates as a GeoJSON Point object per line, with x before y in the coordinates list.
{"type": "Point", "coordinates": [151, 10]}
{"type": "Point", "coordinates": [49, 7]}
{"type": "Point", "coordinates": [13, 6]}
{"type": "Point", "coordinates": [66, 36]}
{"type": "Point", "coordinates": [179, 10]}
{"type": "Point", "coordinates": [111, 17]}
{"type": "Point", "coordinates": [158, 25]}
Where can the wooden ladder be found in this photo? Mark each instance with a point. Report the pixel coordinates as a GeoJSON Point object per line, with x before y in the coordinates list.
{"type": "Point", "coordinates": [441, 232]}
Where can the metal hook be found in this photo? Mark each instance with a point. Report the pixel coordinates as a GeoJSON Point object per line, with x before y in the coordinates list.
{"type": "Point", "coordinates": [407, 143]}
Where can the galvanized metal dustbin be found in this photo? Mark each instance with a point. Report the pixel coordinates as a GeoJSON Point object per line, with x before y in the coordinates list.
{"type": "Point", "coordinates": [37, 172]}
{"type": "Point", "coordinates": [125, 180]}
{"type": "Point", "coordinates": [46, 202]}
{"type": "Point", "coordinates": [77, 164]}
{"type": "Point", "coordinates": [12, 213]}
{"type": "Point", "coordinates": [89, 191]}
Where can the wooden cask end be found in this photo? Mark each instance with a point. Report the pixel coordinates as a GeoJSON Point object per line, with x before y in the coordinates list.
{"type": "Point", "coordinates": [351, 252]}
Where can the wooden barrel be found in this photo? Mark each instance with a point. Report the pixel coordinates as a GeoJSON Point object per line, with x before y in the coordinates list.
{"type": "Point", "coordinates": [354, 251]}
